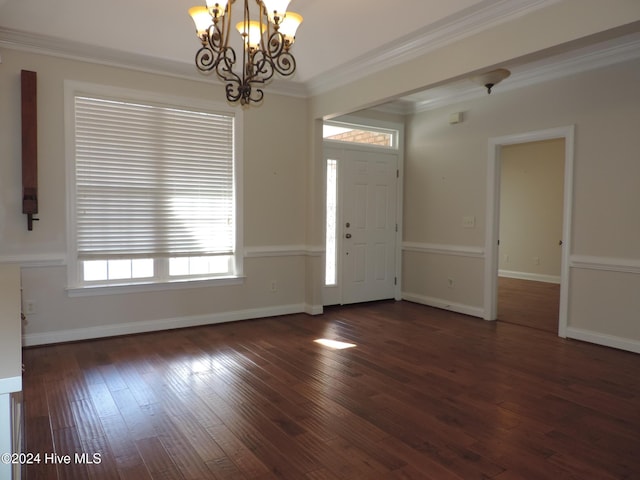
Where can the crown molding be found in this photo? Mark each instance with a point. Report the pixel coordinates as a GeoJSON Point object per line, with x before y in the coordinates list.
{"type": "Point", "coordinates": [538, 72]}
{"type": "Point", "coordinates": [484, 15]}
{"type": "Point", "coordinates": [43, 44]}
{"type": "Point", "coordinates": [468, 22]}
{"type": "Point", "coordinates": [56, 47]}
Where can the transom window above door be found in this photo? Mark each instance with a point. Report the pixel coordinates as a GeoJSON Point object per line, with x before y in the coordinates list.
{"type": "Point", "coordinates": [360, 134]}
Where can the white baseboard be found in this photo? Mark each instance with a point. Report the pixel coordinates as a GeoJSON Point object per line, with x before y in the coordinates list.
{"type": "Point", "coordinates": [314, 309]}
{"type": "Point", "coordinates": [604, 339]}
{"type": "Point", "coordinates": [44, 338]}
{"type": "Point", "coordinates": [535, 277]}
{"type": "Point", "coordinates": [444, 304]}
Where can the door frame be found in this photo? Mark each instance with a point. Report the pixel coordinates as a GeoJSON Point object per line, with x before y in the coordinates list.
{"type": "Point", "coordinates": [493, 217]}
{"type": "Point", "coordinates": [332, 295]}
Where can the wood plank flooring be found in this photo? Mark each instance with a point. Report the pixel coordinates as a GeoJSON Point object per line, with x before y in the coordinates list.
{"type": "Point", "coordinates": [529, 303]}
{"type": "Point", "coordinates": [424, 394]}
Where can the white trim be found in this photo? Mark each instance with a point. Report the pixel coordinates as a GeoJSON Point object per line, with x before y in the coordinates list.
{"type": "Point", "coordinates": [493, 215]}
{"type": "Point", "coordinates": [56, 47]}
{"type": "Point", "coordinates": [36, 260]}
{"type": "Point", "coordinates": [399, 209]}
{"type": "Point", "coordinates": [276, 251]}
{"type": "Point", "coordinates": [314, 309]}
{"type": "Point", "coordinates": [603, 339]}
{"type": "Point", "coordinates": [442, 249]}
{"type": "Point", "coordinates": [443, 304]}
{"type": "Point", "coordinates": [522, 76]}
{"type": "Point", "coordinates": [534, 277]}
{"type": "Point", "coordinates": [103, 331]}
{"type": "Point", "coordinates": [454, 28]}
{"type": "Point", "coordinates": [98, 290]}
{"type": "Point", "coordinates": [610, 264]}
{"type": "Point", "coordinates": [56, 260]}
{"type": "Point", "coordinates": [10, 385]}
{"type": "Point", "coordinates": [315, 251]}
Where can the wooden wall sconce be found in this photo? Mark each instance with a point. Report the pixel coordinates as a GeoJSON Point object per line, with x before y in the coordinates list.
{"type": "Point", "coordinates": [29, 146]}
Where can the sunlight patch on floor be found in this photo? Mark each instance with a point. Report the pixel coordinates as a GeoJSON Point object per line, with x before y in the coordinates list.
{"type": "Point", "coordinates": [335, 344]}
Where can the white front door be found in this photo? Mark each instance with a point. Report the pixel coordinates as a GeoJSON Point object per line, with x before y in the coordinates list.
{"type": "Point", "coordinates": [366, 224]}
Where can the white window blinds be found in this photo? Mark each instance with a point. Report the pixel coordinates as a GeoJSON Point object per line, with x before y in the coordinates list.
{"type": "Point", "coordinates": [152, 181]}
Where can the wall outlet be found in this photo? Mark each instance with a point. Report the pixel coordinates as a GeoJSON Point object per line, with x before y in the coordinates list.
{"type": "Point", "coordinates": [274, 286]}
{"type": "Point", "coordinates": [29, 307]}
{"type": "Point", "coordinates": [469, 222]}
{"type": "Point", "coordinates": [506, 259]}
{"type": "Point", "coordinates": [536, 260]}
{"type": "Point", "coordinates": [451, 282]}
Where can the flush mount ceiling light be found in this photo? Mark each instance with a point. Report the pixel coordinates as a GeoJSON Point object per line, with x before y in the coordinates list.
{"type": "Point", "coordinates": [266, 43]}
{"type": "Point", "coordinates": [492, 78]}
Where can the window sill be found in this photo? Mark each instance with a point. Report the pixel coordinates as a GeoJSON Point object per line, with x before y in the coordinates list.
{"type": "Point", "coordinates": [89, 291]}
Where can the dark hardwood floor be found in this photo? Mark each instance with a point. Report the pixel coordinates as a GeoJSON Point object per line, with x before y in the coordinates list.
{"type": "Point", "coordinates": [424, 394]}
{"type": "Point", "coordinates": [528, 303]}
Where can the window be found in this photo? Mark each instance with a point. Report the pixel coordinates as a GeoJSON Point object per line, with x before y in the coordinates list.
{"type": "Point", "coordinates": [360, 134]}
{"type": "Point", "coordinates": [331, 257]}
{"type": "Point", "coordinates": [153, 191]}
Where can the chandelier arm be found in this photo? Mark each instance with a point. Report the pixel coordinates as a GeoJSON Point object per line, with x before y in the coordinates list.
{"type": "Point", "coordinates": [262, 68]}
{"type": "Point", "coordinates": [285, 64]}
{"type": "Point", "coordinates": [206, 60]}
{"type": "Point", "coordinates": [275, 44]}
{"type": "Point", "coordinates": [233, 88]}
{"type": "Point", "coordinates": [224, 67]}
{"type": "Point", "coordinates": [256, 96]}
{"type": "Point", "coordinates": [214, 38]}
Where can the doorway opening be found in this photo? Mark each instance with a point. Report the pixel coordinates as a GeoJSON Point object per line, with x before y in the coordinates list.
{"type": "Point", "coordinates": [531, 196]}
{"type": "Point", "coordinates": [527, 267]}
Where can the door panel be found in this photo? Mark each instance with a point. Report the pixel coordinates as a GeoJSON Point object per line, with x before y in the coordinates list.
{"type": "Point", "coordinates": [368, 190]}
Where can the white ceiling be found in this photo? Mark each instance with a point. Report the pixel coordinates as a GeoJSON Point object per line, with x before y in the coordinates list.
{"type": "Point", "coordinates": [328, 37]}
{"type": "Point", "coordinates": [338, 40]}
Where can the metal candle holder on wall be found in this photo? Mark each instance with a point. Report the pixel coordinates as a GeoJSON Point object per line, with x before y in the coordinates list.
{"type": "Point", "coordinates": [28, 82]}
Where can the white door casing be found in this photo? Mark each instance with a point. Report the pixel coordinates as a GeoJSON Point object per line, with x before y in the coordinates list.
{"type": "Point", "coordinates": [493, 215]}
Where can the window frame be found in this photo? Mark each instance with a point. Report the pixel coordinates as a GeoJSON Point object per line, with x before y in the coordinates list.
{"type": "Point", "coordinates": [76, 286]}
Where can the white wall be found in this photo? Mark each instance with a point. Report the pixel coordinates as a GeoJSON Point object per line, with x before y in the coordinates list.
{"type": "Point", "coordinates": [445, 179]}
{"type": "Point", "coordinates": [275, 153]}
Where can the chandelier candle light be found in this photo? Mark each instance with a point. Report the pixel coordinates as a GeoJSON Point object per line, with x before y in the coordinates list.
{"type": "Point", "coordinates": [266, 45]}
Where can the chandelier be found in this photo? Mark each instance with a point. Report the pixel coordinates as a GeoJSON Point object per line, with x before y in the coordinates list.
{"type": "Point", "coordinates": [266, 45]}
